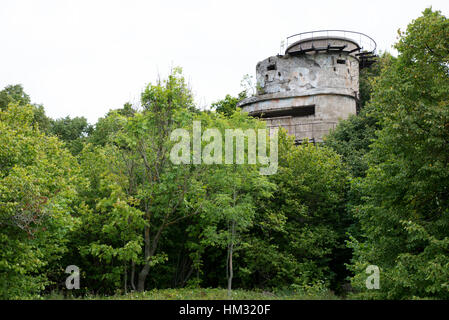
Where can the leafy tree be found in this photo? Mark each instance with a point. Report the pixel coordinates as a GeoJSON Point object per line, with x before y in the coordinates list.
{"type": "Point", "coordinates": [16, 94]}
{"type": "Point", "coordinates": [228, 105]}
{"type": "Point", "coordinates": [141, 181]}
{"type": "Point", "coordinates": [299, 236]}
{"type": "Point", "coordinates": [233, 188]}
{"type": "Point", "coordinates": [73, 131]}
{"type": "Point", "coordinates": [404, 215]}
{"type": "Point", "coordinates": [13, 93]}
{"type": "Point", "coordinates": [168, 193]}
{"type": "Point", "coordinates": [352, 137]}
{"type": "Point", "coordinates": [108, 238]}
{"type": "Point", "coordinates": [368, 76]}
{"type": "Point", "coordinates": [107, 126]}
{"type": "Point", "coordinates": [37, 177]}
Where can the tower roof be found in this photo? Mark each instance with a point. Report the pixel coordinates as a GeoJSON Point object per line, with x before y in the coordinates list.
{"type": "Point", "coordinates": [356, 44]}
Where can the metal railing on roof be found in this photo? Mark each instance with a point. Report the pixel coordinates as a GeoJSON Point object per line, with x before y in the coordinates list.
{"type": "Point", "coordinates": [365, 42]}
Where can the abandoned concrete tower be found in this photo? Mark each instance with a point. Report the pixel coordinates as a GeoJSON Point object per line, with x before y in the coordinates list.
{"type": "Point", "coordinates": [314, 84]}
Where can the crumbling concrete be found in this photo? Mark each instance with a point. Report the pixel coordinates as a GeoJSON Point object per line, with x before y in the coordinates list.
{"type": "Point", "coordinates": [307, 91]}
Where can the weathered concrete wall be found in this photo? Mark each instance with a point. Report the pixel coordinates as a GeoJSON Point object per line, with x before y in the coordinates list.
{"type": "Point", "coordinates": [329, 110]}
{"type": "Point", "coordinates": [325, 82]}
{"type": "Point", "coordinates": [300, 74]}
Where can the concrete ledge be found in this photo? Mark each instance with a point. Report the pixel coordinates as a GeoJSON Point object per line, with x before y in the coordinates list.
{"type": "Point", "coordinates": [297, 94]}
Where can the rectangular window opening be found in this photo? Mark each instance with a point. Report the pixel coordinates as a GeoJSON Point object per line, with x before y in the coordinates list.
{"type": "Point", "coordinates": [302, 111]}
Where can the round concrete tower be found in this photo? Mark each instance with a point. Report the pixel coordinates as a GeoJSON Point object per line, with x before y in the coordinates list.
{"type": "Point", "coordinates": [314, 84]}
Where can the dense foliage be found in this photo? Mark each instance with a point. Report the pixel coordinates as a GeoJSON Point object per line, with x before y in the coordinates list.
{"type": "Point", "coordinates": [404, 209]}
{"type": "Point", "coordinates": [37, 204]}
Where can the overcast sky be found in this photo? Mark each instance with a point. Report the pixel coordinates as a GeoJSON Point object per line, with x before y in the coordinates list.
{"type": "Point", "coordinates": [82, 58]}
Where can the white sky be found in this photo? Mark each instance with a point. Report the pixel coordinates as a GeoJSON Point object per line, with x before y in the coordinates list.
{"type": "Point", "coordinates": [82, 58]}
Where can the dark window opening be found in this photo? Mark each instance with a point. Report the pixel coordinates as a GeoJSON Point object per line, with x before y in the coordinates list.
{"type": "Point", "coordinates": [279, 74]}
{"type": "Point", "coordinates": [341, 61]}
{"type": "Point", "coordinates": [271, 67]}
{"type": "Point", "coordinates": [302, 111]}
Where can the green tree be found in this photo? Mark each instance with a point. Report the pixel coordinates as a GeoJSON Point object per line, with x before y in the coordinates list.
{"type": "Point", "coordinates": [37, 196]}
{"type": "Point", "coordinates": [73, 131]}
{"type": "Point", "coordinates": [298, 240]}
{"type": "Point", "coordinates": [168, 193]}
{"type": "Point", "coordinates": [368, 75]}
{"type": "Point", "coordinates": [233, 188]}
{"type": "Point", "coordinates": [16, 94]}
{"type": "Point", "coordinates": [404, 214]}
{"type": "Point", "coordinates": [135, 179]}
{"type": "Point", "coordinates": [13, 93]}
{"type": "Point", "coordinates": [108, 125]}
{"type": "Point", "coordinates": [353, 137]}
{"type": "Point", "coordinates": [228, 105]}
{"type": "Point", "coordinates": [108, 240]}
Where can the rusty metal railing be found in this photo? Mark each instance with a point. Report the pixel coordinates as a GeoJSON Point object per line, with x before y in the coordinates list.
{"type": "Point", "coordinates": [365, 42]}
